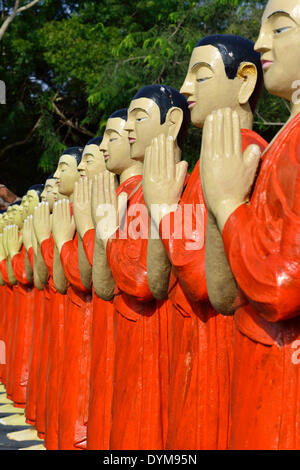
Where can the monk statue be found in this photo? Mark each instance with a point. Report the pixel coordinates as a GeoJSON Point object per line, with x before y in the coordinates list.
{"type": "Point", "coordinates": [223, 69]}
{"type": "Point", "coordinates": [258, 217]}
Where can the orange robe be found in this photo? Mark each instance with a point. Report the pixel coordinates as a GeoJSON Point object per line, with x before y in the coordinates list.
{"type": "Point", "coordinates": [202, 339]}
{"type": "Point", "coordinates": [56, 346]}
{"type": "Point", "coordinates": [102, 359]}
{"type": "Point", "coordinates": [76, 362]}
{"type": "Point", "coordinates": [262, 243]}
{"type": "Point", "coordinates": [22, 331]}
{"type": "Point", "coordinates": [139, 409]}
{"type": "Point", "coordinates": [32, 389]}
{"type": "Point", "coordinates": [7, 312]}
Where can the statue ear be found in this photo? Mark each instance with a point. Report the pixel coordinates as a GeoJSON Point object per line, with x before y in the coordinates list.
{"type": "Point", "coordinates": [248, 73]}
{"type": "Point", "coordinates": [174, 120]}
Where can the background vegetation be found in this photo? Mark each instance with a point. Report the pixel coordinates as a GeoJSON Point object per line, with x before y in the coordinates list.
{"type": "Point", "coordinates": [69, 64]}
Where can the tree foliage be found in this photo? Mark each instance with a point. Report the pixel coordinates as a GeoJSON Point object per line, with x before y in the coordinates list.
{"type": "Point", "coordinates": [68, 65]}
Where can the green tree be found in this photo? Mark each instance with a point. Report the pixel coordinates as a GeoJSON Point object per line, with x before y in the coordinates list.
{"type": "Point", "coordinates": [68, 65]}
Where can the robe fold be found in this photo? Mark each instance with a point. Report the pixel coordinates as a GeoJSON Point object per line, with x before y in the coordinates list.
{"type": "Point", "coordinates": [7, 313]}
{"type": "Point", "coordinates": [32, 387]}
{"type": "Point", "coordinates": [139, 414]}
{"type": "Point", "coordinates": [102, 359]}
{"type": "Point", "coordinates": [202, 339]}
{"type": "Point", "coordinates": [262, 243]}
{"type": "Point", "coordinates": [22, 331]}
{"type": "Point", "coordinates": [56, 346]}
{"type": "Point", "coordinates": [77, 351]}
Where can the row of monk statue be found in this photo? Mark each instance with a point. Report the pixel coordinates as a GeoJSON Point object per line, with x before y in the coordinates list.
{"type": "Point", "coordinates": [143, 307]}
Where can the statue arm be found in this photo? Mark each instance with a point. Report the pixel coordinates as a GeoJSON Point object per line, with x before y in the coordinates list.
{"type": "Point", "coordinates": [28, 268]}
{"type": "Point", "coordinates": [84, 266]}
{"type": "Point", "coordinates": [10, 272]}
{"type": "Point", "coordinates": [59, 278]}
{"type": "Point", "coordinates": [158, 269]}
{"type": "Point", "coordinates": [221, 285]}
{"type": "Point", "coordinates": [103, 280]}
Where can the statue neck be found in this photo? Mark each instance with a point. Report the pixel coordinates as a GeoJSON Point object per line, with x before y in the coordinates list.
{"type": "Point", "coordinates": [245, 115]}
{"type": "Point", "coordinates": [134, 170]}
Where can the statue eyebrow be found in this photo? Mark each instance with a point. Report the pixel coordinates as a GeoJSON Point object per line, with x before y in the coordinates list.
{"type": "Point", "coordinates": [200, 63]}
{"type": "Point", "coordinates": [278, 12]}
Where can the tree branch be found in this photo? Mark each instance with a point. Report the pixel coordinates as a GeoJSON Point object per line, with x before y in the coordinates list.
{"type": "Point", "coordinates": [67, 121]}
{"type": "Point", "coordinates": [22, 142]}
{"type": "Point", "coordinates": [29, 5]}
{"type": "Point", "coordinates": [14, 13]}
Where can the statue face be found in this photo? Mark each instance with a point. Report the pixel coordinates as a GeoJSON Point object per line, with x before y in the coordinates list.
{"type": "Point", "coordinates": [9, 215]}
{"type": "Point", "coordinates": [92, 162]}
{"type": "Point", "coordinates": [31, 201]}
{"type": "Point", "coordinates": [66, 175]}
{"type": "Point", "coordinates": [143, 125]}
{"type": "Point", "coordinates": [2, 223]}
{"type": "Point", "coordinates": [206, 86]}
{"type": "Point", "coordinates": [115, 146]}
{"type": "Point", "coordinates": [279, 45]}
{"type": "Point", "coordinates": [17, 215]}
{"type": "Point", "coordinates": [50, 193]}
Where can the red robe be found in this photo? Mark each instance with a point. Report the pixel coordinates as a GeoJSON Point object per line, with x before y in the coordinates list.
{"type": "Point", "coordinates": [7, 312]}
{"type": "Point", "coordinates": [261, 240]}
{"type": "Point", "coordinates": [202, 346]}
{"type": "Point", "coordinates": [22, 331]}
{"type": "Point", "coordinates": [139, 409]}
{"type": "Point", "coordinates": [76, 362]}
{"type": "Point", "coordinates": [32, 386]}
{"type": "Point", "coordinates": [102, 360]}
{"type": "Point", "coordinates": [55, 347]}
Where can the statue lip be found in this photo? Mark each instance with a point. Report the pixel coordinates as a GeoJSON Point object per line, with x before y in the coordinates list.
{"type": "Point", "coordinates": [131, 140]}
{"type": "Point", "coordinates": [266, 64]}
{"type": "Point", "coordinates": [106, 157]}
{"type": "Point", "coordinates": [191, 103]}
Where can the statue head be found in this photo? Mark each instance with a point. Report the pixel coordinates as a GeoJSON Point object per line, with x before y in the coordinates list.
{"type": "Point", "coordinates": [115, 144]}
{"type": "Point", "coordinates": [50, 193]}
{"type": "Point", "coordinates": [224, 72]}
{"type": "Point", "coordinates": [33, 197]}
{"type": "Point", "coordinates": [92, 161]}
{"type": "Point", "coordinates": [155, 110]}
{"type": "Point", "coordinates": [66, 172]}
{"type": "Point", "coordinates": [17, 214]}
{"type": "Point", "coordinates": [279, 45]}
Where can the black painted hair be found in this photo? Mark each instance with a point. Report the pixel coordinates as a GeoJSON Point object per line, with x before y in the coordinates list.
{"type": "Point", "coordinates": [234, 51]}
{"type": "Point", "coordinates": [121, 113]}
{"type": "Point", "coordinates": [38, 188]}
{"type": "Point", "coordinates": [95, 141]}
{"type": "Point", "coordinates": [166, 98]}
{"type": "Point", "coordinates": [16, 203]}
{"type": "Point", "coordinates": [75, 152]}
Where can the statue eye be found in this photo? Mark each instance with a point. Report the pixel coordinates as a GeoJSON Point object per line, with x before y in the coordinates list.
{"type": "Point", "coordinates": [141, 119]}
{"type": "Point", "coordinates": [112, 139]}
{"type": "Point", "coordinates": [200, 80]}
{"type": "Point", "coordinates": [281, 30]}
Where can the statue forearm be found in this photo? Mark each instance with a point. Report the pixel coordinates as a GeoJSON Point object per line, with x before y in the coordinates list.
{"type": "Point", "coordinates": [59, 278]}
{"type": "Point", "coordinates": [40, 267]}
{"type": "Point", "coordinates": [158, 269]}
{"type": "Point", "coordinates": [84, 266]}
{"type": "Point", "coordinates": [221, 285]}
{"type": "Point", "coordinates": [28, 269]}
{"type": "Point", "coordinates": [10, 272]}
{"type": "Point", "coordinates": [104, 283]}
